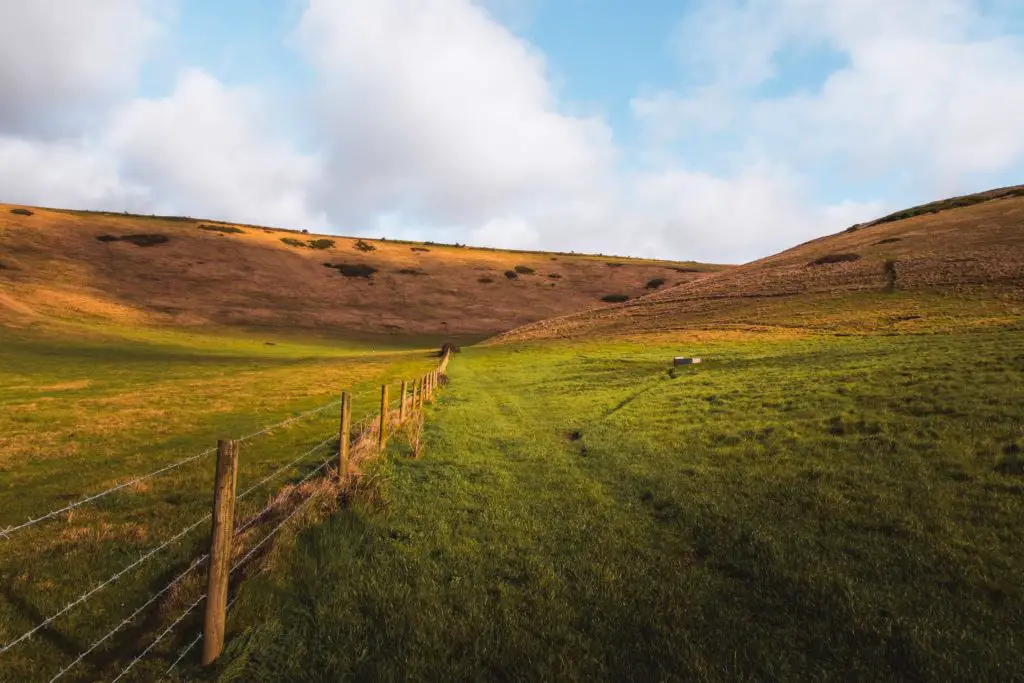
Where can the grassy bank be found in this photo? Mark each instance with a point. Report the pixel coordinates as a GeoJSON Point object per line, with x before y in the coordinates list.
{"type": "Point", "coordinates": [792, 509]}
{"type": "Point", "coordinates": [82, 412]}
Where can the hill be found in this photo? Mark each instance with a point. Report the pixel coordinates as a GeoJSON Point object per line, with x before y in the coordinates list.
{"type": "Point", "coordinates": [942, 264]}
{"type": "Point", "coordinates": [58, 265]}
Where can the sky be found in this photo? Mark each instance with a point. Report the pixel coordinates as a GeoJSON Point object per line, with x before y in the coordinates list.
{"type": "Point", "coordinates": [713, 130]}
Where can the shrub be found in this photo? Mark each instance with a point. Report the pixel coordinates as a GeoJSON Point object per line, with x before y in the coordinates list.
{"type": "Point", "coordinates": [418, 249]}
{"type": "Point", "coordinates": [412, 271]}
{"type": "Point", "coordinates": [485, 280]}
{"type": "Point", "coordinates": [615, 265]}
{"type": "Point", "coordinates": [614, 298]}
{"type": "Point", "coordinates": [656, 282]}
{"type": "Point", "coordinates": [355, 269]}
{"type": "Point", "coordinates": [226, 229]}
{"type": "Point", "coordinates": [21, 212]}
{"type": "Point", "coordinates": [305, 232]}
{"type": "Point", "coordinates": [890, 275]}
{"type": "Point", "coordinates": [834, 258]}
{"type": "Point", "coordinates": [364, 246]}
{"type": "Point", "coordinates": [525, 270]}
{"type": "Point", "coordinates": [292, 242]}
{"type": "Point", "coordinates": [554, 276]}
{"type": "Point", "coordinates": [321, 244]}
{"type": "Point", "coordinates": [107, 238]}
{"type": "Point", "coordinates": [511, 275]}
{"type": "Point", "coordinates": [145, 240]}
{"type": "Point", "coordinates": [888, 240]}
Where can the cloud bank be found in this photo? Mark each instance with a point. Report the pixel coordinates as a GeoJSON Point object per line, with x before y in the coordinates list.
{"type": "Point", "coordinates": [432, 119]}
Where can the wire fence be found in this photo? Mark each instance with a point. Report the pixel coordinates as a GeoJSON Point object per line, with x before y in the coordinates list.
{"type": "Point", "coordinates": [367, 427]}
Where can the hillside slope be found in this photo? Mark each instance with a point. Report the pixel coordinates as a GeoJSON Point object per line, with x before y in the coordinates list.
{"type": "Point", "coordinates": [960, 261]}
{"type": "Point", "coordinates": [67, 265]}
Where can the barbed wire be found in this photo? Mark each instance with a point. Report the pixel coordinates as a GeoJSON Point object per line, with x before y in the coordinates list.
{"type": "Point", "coordinates": [281, 469]}
{"type": "Point", "coordinates": [160, 637]}
{"type": "Point", "coordinates": [156, 596]}
{"type": "Point", "coordinates": [88, 594]}
{"type": "Point", "coordinates": [6, 532]}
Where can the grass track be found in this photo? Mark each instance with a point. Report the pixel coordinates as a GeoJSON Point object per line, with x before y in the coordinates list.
{"type": "Point", "coordinates": [816, 509]}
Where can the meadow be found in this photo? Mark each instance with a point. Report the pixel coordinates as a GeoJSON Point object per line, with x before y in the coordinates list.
{"type": "Point", "coordinates": [797, 507]}
{"type": "Point", "coordinates": [83, 409]}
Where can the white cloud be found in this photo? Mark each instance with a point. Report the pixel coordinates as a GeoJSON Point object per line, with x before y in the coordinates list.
{"type": "Point", "coordinates": [62, 62]}
{"type": "Point", "coordinates": [431, 106]}
{"type": "Point", "coordinates": [212, 150]}
{"type": "Point", "coordinates": [930, 89]}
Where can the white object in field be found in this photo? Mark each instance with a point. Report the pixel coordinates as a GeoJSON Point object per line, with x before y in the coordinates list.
{"type": "Point", "coordinates": [681, 360]}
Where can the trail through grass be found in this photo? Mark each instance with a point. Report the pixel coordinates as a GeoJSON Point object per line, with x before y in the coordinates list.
{"type": "Point", "coordinates": [804, 509]}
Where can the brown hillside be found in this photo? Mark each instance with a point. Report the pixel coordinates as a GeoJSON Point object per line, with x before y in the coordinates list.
{"type": "Point", "coordinates": [942, 264]}
{"type": "Point", "coordinates": [64, 265]}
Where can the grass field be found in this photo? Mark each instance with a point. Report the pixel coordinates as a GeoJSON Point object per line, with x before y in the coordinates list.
{"type": "Point", "coordinates": [83, 412]}
{"type": "Point", "coordinates": [795, 508]}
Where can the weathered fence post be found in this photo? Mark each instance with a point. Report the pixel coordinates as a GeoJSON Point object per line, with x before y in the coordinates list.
{"type": "Point", "coordinates": [219, 567]}
{"type": "Point", "coordinates": [383, 432]}
{"type": "Point", "coordinates": [344, 429]}
{"type": "Point", "coordinates": [401, 410]}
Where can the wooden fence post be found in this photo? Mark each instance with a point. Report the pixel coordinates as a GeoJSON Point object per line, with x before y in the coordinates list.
{"type": "Point", "coordinates": [219, 567]}
{"type": "Point", "coordinates": [401, 410]}
{"type": "Point", "coordinates": [383, 431]}
{"type": "Point", "coordinates": [344, 429]}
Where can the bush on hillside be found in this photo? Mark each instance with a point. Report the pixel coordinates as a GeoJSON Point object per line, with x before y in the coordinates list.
{"type": "Point", "coordinates": [21, 212]}
{"type": "Point", "coordinates": [615, 265]}
{"type": "Point", "coordinates": [888, 240]}
{"type": "Point", "coordinates": [146, 240]}
{"type": "Point", "coordinates": [355, 269]}
{"type": "Point", "coordinates": [614, 298]}
{"type": "Point", "coordinates": [525, 270]}
{"type": "Point", "coordinates": [412, 271]}
{"type": "Point", "coordinates": [418, 249]}
{"type": "Point", "coordinates": [292, 242]}
{"type": "Point", "coordinates": [321, 243]}
{"type": "Point", "coordinates": [656, 282]}
{"type": "Point", "coordinates": [362, 245]}
{"type": "Point", "coordinates": [511, 275]}
{"type": "Point", "coordinates": [226, 229]}
{"type": "Point", "coordinates": [554, 276]}
{"type": "Point", "coordinates": [834, 258]}
{"type": "Point", "coordinates": [107, 238]}
{"type": "Point", "coordinates": [485, 280]}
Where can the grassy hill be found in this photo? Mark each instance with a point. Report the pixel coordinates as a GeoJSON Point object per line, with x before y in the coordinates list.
{"type": "Point", "coordinates": [950, 263]}
{"type": "Point", "coordinates": [136, 270]}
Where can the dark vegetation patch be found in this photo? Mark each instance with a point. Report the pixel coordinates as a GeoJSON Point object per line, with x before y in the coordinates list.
{"type": "Point", "coordinates": [292, 242]}
{"type": "Point", "coordinates": [890, 275]}
{"type": "Point", "coordinates": [854, 228]}
{"type": "Point", "coordinates": [21, 212]}
{"type": "Point", "coordinates": [525, 270]}
{"type": "Point", "coordinates": [418, 249]}
{"type": "Point", "coordinates": [554, 276]}
{"type": "Point", "coordinates": [834, 258]}
{"type": "Point", "coordinates": [952, 203]}
{"type": "Point", "coordinates": [888, 240]}
{"type": "Point", "coordinates": [511, 275]}
{"type": "Point", "coordinates": [448, 347]}
{"type": "Point", "coordinates": [679, 269]}
{"type": "Point", "coordinates": [412, 271]}
{"type": "Point", "coordinates": [575, 435]}
{"type": "Point", "coordinates": [226, 229]}
{"type": "Point", "coordinates": [656, 282]}
{"type": "Point", "coordinates": [321, 243]}
{"type": "Point", "coordinates": [139, 240]}
{"type": "Point", "coordinates": [1012, 463]}
{"type": "Point", "coordinates": [614, 298]}
{"type": "Point", "coordinates": [353, 269]}
{"type": "Point", "coordinates": [363, 245]}
{"type": "Point", "coordinates": [485, 280]}
{"type": "Point", "coordinates": [614, 265]}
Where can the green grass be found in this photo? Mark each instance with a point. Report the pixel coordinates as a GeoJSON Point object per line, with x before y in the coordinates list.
{"type": "Point", "coordinates": [828, 508]}
{"type": "Point", "coordinates": [92, 407]}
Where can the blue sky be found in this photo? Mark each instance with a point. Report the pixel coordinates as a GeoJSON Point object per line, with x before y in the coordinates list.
{"type": "Point", "coordinates": [719, 130]}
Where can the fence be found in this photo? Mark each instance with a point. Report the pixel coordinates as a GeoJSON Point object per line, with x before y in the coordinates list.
{"type": "Point", "coordinates": [355, 441]}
